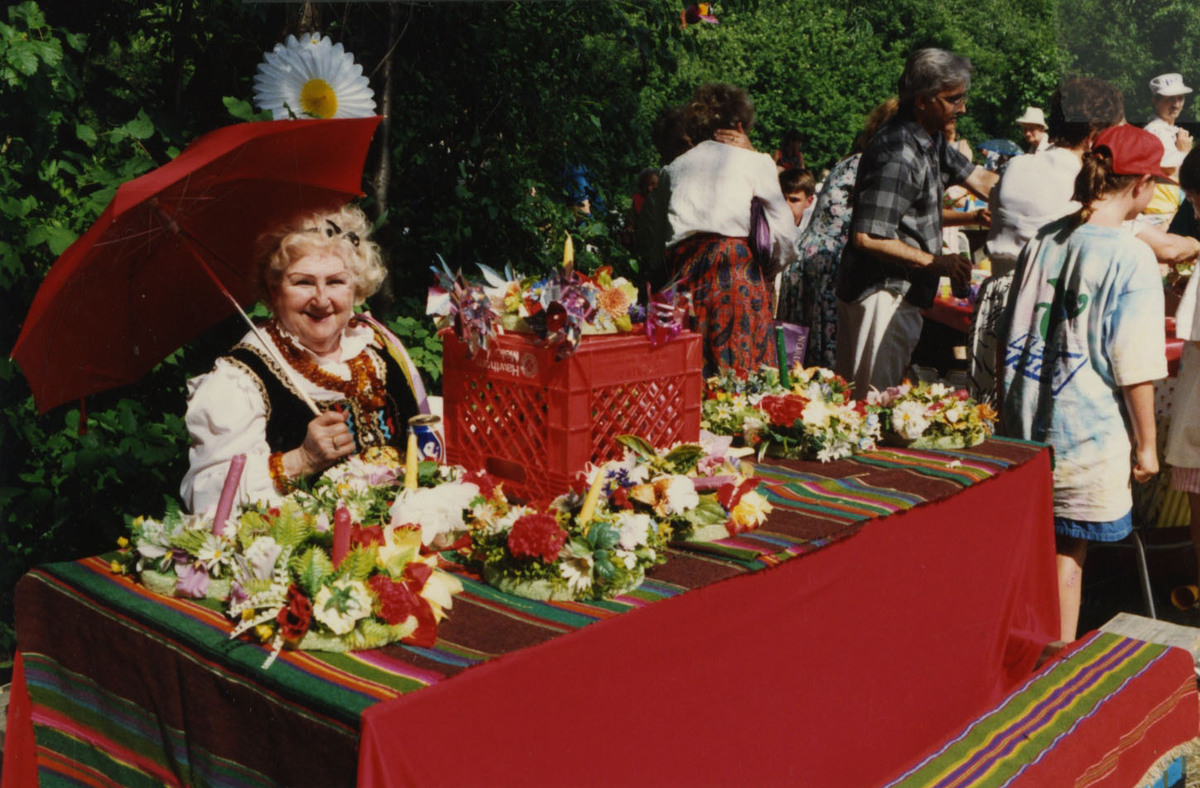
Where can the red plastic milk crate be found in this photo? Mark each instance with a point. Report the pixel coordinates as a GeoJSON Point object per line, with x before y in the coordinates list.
{"type": "Point", "coordinates": [535, 422]}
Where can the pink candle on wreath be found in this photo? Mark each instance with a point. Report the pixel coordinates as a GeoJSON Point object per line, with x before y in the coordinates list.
{"type": "Point", "coordinates": [341, 534]}
{"type": "Point", "coordinates": [228, 491]}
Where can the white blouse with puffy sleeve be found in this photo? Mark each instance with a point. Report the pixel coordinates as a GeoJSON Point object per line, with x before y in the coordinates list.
{"type": "Point", "coordinates": [227, 416]}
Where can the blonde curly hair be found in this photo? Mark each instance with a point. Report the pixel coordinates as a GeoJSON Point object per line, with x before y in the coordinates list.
{"type": "Point", "coordinates": [343, 233]}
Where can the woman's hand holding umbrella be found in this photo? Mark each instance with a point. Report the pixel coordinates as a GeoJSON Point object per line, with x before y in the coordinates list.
{"type": "Point", "coordinates": [328, 440]}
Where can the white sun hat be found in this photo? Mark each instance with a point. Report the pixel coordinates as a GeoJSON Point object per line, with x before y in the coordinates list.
{"type": "Point", "coordinates": [1033, 116]}
{"type": "Point", "coordinates": [1169, 85]}
{"type": "Point", "coordinates": [312, 77]}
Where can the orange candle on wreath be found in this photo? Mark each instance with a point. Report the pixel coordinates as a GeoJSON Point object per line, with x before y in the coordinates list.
{"type": "Point", "coordinates": [568, 252]}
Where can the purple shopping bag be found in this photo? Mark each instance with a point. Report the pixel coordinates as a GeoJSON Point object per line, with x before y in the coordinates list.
{"type": "Point", "coordinates": [795, 340]}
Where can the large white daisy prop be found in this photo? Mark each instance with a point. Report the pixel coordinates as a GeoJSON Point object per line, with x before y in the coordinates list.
{"type": "Point", "coordinates": [312, 78]}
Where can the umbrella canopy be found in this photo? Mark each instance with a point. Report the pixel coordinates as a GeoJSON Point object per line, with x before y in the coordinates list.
{"type": "Point", "coordinates": [140, 282]}
{"type": "Point", "coordinates": [1001, 146]}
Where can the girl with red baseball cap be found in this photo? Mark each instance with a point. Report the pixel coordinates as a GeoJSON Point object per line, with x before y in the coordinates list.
{"type": "Point", "coordinates": [1082, 344]}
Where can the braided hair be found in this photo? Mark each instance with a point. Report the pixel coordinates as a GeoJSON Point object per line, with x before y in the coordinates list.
{"type": "Point", "coordinates": [1096, 180]}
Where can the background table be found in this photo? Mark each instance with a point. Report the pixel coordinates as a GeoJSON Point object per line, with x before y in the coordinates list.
{"type": "Point", "coordinates": [889, 600]}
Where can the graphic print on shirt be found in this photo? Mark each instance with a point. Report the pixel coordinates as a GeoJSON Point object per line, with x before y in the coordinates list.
{"type": "Point", "coordinates": [1065, 361]}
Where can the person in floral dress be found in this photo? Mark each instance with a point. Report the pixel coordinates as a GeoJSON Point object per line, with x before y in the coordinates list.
{"type": "Point", "coordinates": [806, 295]}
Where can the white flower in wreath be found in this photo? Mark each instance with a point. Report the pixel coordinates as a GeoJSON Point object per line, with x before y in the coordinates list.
{"type": "Point", "coordinates": [261, 556]}
{"type": "Point", "coordinates": [438, 510]}
{"type": "Point", "coordinates": [939, 390]}
{"type": "Point", "coordinates": [576, 569]}
{"type": "Point", "coordinates": [485, 514]}
{"type": "Point", "coordinates": [908, 420]}
{"type": "Point", "coordinates": [816, 413]}
{"type": "Point", "coordinates": [638, 473]}
{"type": "Point", "coordinates": [954, 413]}
{"type": "Point", "coordinates": [627, 558]}
{"type": "Point", "coordinates": [504, 524]}
{"type": "Point", "coordinates": [680, 495]}
{"type": "Point", "coordinates": [153, 544]}
{"type": "Point", "coordinates": [831, 452]}
{"type": "Point", "coordinates": [215, 554]}
{"type": "Point", "coordinates": [312, 77]}
{"type": "Point", "coordinates": [634, 529]}
{"type": "Point", "coordinates": [340, 606]}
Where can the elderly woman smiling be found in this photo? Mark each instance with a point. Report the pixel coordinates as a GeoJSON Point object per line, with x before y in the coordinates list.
{"type": "Point", "coordinates": [312, 273]}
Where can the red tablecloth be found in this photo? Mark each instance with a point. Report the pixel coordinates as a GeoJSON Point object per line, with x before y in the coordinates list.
{"type": "Point", "coordinates": [835, 670]}
{"type": "Point", "coordinates": [839, 667]}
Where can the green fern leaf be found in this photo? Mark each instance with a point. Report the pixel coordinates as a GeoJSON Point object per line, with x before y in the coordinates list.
{"type": "Point", "coordinates": [358, 563]}
{"type": "Point", "coordinates": [312, 569]}
{"type": "Point", "coordinates": [189, 541]}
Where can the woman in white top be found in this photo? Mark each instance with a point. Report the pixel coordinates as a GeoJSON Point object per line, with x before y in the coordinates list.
{"type": "Point", "coordinates": [708, 216]}
{"type": "Point", "coordinates": [1035, 190]}
{"type": "Point", "coordinates": [312, 272]}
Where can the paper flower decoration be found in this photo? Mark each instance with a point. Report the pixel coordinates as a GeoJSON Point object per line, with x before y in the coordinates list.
{"type": "Point", "coordinates": [312, 78]}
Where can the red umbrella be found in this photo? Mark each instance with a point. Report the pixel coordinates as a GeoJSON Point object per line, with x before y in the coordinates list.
{"type": "Point", "coordinates": [150, 273]}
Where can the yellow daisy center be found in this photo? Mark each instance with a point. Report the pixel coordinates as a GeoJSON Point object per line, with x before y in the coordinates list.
{"type": "Point", "coordinates": [318, 99]}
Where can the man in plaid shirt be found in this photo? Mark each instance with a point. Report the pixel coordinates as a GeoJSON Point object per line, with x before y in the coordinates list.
{"type": "Point", "coordinates": [889, 271]}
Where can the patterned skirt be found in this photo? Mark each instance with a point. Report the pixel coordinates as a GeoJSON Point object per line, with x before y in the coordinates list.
{"type": "Point", "coordinates": [730, 299]}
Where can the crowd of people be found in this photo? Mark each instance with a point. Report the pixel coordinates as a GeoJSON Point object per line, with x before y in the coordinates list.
{"type": "Point", "coordinates": [1068, 333]}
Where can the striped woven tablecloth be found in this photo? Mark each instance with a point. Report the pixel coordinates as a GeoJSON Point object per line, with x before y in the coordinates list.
{"type": "Point", "coordinates": [1100, 716]}
{"type": "Point", "coordinates": [132, 688]}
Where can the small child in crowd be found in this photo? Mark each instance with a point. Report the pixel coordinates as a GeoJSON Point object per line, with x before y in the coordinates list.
{"type": "Point", "coordinates": [1082, 343]}
{"type": "Point", "coordinates": [799, 187]}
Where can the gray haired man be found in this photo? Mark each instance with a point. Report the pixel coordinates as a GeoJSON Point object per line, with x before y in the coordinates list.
{"type": "Point", "coordinates": [889, 271]}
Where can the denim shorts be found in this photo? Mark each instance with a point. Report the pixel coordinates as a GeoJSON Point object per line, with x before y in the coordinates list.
{"type": "Point", "coordinates": [1110, 531]}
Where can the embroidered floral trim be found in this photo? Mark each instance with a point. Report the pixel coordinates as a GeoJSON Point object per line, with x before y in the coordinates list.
{"type": "Point", "coordinates": [254, 378]}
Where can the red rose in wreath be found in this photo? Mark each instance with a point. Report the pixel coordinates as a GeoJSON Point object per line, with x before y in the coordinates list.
{"type": "Point", "coordinates": [783, 409]}
{"type": "Point", "coordinates": [399, 600]}
{"type": "Point", "coordinates": [293, 619]}
{"type": "Point", "coordinates": [483, 480]}
{"type": "Point", "coordinates": [367, 535]}
{"type": "Point", "coordinates": [537, 536]}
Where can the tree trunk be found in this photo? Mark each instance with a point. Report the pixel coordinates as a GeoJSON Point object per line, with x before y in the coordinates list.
{"type": "Point", "coordinates": [305, 19]}
{"type": "Point", "coordinates": [383, 171]}
{"type": "Point", "coordinates": [381, 181]}
{"type": "Point", "coordinates": [181, 49]}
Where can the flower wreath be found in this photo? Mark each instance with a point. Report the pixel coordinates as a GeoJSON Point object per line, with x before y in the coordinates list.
{"type": "Point", "coordinates": [815, 418]}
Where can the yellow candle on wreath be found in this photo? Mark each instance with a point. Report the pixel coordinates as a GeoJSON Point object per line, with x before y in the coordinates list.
{"type": "Point", "coordinates": [568, 251]}
{"type": "Point", "coordinates": [410, 462]}
{"type": "Point", "coordinates": [593, 497]}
